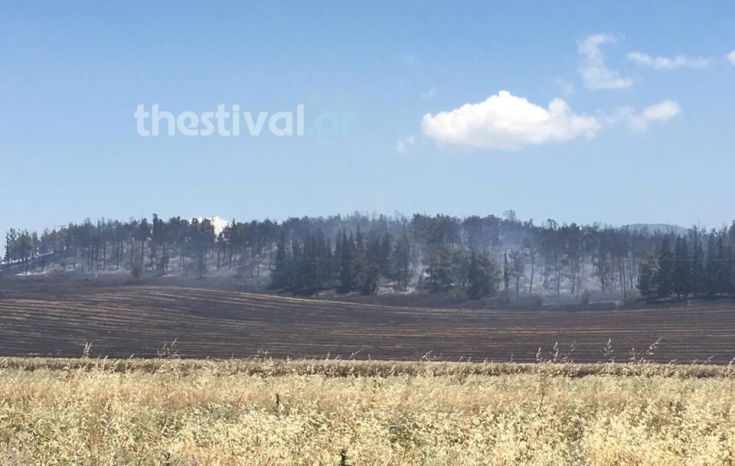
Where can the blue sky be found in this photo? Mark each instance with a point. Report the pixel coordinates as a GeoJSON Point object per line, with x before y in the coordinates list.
{"type": "Point", "coordinates": [650, 141]}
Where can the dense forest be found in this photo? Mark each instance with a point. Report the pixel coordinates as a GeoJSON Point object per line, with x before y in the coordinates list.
{"type": "Point", "coordinates": [477, 256]}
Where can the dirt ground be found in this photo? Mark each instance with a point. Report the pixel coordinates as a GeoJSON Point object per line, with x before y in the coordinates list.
{"type": "Point", "coordinates": [57, 317]}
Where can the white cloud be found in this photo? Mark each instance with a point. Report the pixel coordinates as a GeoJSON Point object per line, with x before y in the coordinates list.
{"type": "Point", "coordinates": [404, 144]}
{"type": "Point", "coordinates": [668, 63]}
{"type": "Point", "coordinates": [594, 71]}
{"type": "Point", "coordinates": [504, 121]}
{"type": "Point", "coordinates": [731, 57]}
{"type": "Point", "coordinates": [431, 92]}
{"type": "Point", "coordinates": [660, 112]}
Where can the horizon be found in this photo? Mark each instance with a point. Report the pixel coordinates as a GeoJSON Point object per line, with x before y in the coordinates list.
{"type": "Point", "coordinates": [573, 112]}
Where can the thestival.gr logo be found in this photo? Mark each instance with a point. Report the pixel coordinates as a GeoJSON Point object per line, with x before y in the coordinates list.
{"type": "Point", "coordinates": [232, 122]}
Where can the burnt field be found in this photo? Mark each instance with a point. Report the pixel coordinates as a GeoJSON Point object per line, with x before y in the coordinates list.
{"type": "Point", "coordinates": [123, 320]}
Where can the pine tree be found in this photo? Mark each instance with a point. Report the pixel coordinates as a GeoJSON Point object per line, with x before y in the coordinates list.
{"type": "Point", "coordinates": [295, 267]}
{"type": "Point", "coordinates": [647, 278]}
{"type": "Point", "coordinates": [402, 262]}
{"type": "Point", "coordinates": [665, 275]}
{"type": "Point", "coordinates": [483, 276]}
{"type": "Point", "coordinates": [281, 272]}
{"type": "Point", "coordinates": [311, 271]}
{"type": "Point", "coordinates": [698, 278]}
{"type": "Point", "coordinates": [682, 278]}
{"type": "Point", "coordinates": [723, 265]}
{"type": "Point", "coordinates": [712, 266]}
{"type": "Point", "coordinates": [359, 266]}
{"type": "Point", "coordinates": [372, 267]}
{"type": "Point", "coordinates": [385, 249]}
{"type": "Point", "coordinates": [439, 268]}
{"type": "Point", "coordinates": [346, 267]}
{"type": "Point", "coordinates": [517, 267]}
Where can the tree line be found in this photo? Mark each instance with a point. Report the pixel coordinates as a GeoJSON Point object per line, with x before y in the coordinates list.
{"type": "Point", "coordinates": [360, 263]}
{"type": "Point", "coordinates": [358, 253]}
{"type": "Point", "coordinates": [699, 264]}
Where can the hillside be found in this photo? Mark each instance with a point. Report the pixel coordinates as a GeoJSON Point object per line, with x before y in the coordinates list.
{"type": "Point", "coordinates": [41, 317]}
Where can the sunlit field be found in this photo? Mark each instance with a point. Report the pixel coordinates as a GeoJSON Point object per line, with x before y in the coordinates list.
{"type": "Point", "coordinates": [197, 412]}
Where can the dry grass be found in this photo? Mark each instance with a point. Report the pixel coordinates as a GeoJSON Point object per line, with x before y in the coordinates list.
{"type": "Point", "coordinates": [172, 411]}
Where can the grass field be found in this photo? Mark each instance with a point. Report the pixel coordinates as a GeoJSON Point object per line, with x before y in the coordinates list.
{"type": "Point", "coordinates": [270, 412]}
{"type": "Point", "coordinates": [45, 318]}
